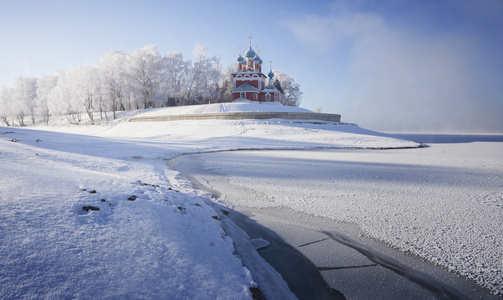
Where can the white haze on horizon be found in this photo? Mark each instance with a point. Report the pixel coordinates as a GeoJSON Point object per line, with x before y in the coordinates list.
{"type": "Point", "coordinates": [406, 79]}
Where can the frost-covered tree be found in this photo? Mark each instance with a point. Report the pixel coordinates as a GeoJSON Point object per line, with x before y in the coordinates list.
{"type": "Point", "coordinates": [45, 86]}
{"type": "Point", "coordinates": [5, 104]}
{"type": "Point", "coordinates": [172, 77]}
{"type": "Point", "coordinates": [227, 84]}
{"type": "Point", "coordinates": [204, 76]}
{"type": "Point", "coordinates": [119, 81]}
{"type": "Point", "coordinates": [194, 75]}
{"type": "Point", "coordinates": [88, 88]}
{"type": "Point", "coordinates": [291, 89]}
{"type": "Point", "coordinates": [114, 77]}
{"type": "Point", "coordinates": [143, 68]}
{"type": "Point", "coordinates": [66, 98]}
{"type": "Point", "coordinates": [101, 101]}
{"type": "Point", "coordinates": [214, 75]}
{"type": "Point", "coordinates": [24, 94]}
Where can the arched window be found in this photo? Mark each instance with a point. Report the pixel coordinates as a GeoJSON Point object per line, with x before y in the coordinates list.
{"type": "Point", "coordinates": [267, 97]}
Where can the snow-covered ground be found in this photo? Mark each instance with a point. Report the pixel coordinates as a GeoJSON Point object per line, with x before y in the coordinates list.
{"type": "Point", "coordinates": [155, 236]}
{"type": "Point", "coordinates": [146, 239]}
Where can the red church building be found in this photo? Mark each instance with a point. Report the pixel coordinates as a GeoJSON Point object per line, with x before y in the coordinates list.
{"type": "Point", "coordinates": [250, 83]}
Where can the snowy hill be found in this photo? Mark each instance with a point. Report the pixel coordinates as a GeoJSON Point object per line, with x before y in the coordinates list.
{"type": "Point", "coordinates": [251, 134]}
{"type": "Point", "coordinates": [94, 211]}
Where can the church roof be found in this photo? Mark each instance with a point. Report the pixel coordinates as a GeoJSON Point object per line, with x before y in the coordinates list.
{"type": "Point", "coordinates": [245, 87]}
{"type": "Point", "coordinates": [250, 53]}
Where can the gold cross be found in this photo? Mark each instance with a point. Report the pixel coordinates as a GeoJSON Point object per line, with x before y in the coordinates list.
{"type": "Point", "coordinates": [250, 37]}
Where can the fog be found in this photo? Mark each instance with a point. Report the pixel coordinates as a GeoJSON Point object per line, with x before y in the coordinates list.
{"type": "Point", "coordinates": [411, 77]}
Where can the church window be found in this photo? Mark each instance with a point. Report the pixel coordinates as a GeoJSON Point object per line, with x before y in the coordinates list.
{"type": "Point", "coordinates": [268, 97]}
{"type": "Point", "coordinates": [255, 97]}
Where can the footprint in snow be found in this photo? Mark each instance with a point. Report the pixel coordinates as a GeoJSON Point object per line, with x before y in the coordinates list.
{"type": "Point", "coordinates": [87, 208]}
{"type": "Point", "coordinates": [84, 209]}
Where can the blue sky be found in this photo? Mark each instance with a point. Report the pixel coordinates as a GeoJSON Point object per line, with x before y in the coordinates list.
{"type": "Point", "coordinates": [429, 65]}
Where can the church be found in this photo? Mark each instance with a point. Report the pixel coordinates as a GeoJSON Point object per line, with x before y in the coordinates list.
{"type": "Point", "coordinates": [250, 84]}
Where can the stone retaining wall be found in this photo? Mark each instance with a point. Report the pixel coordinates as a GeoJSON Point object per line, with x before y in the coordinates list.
{"type": "Point", "coordinates": [242, 116]}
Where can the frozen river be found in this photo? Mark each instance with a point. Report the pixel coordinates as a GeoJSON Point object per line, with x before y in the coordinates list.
{"type": "Point", "coordinates": [443, 203]}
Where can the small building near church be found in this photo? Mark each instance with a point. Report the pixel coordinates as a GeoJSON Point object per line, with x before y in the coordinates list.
{"type": "Point", "coordinates": [250, 84]}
